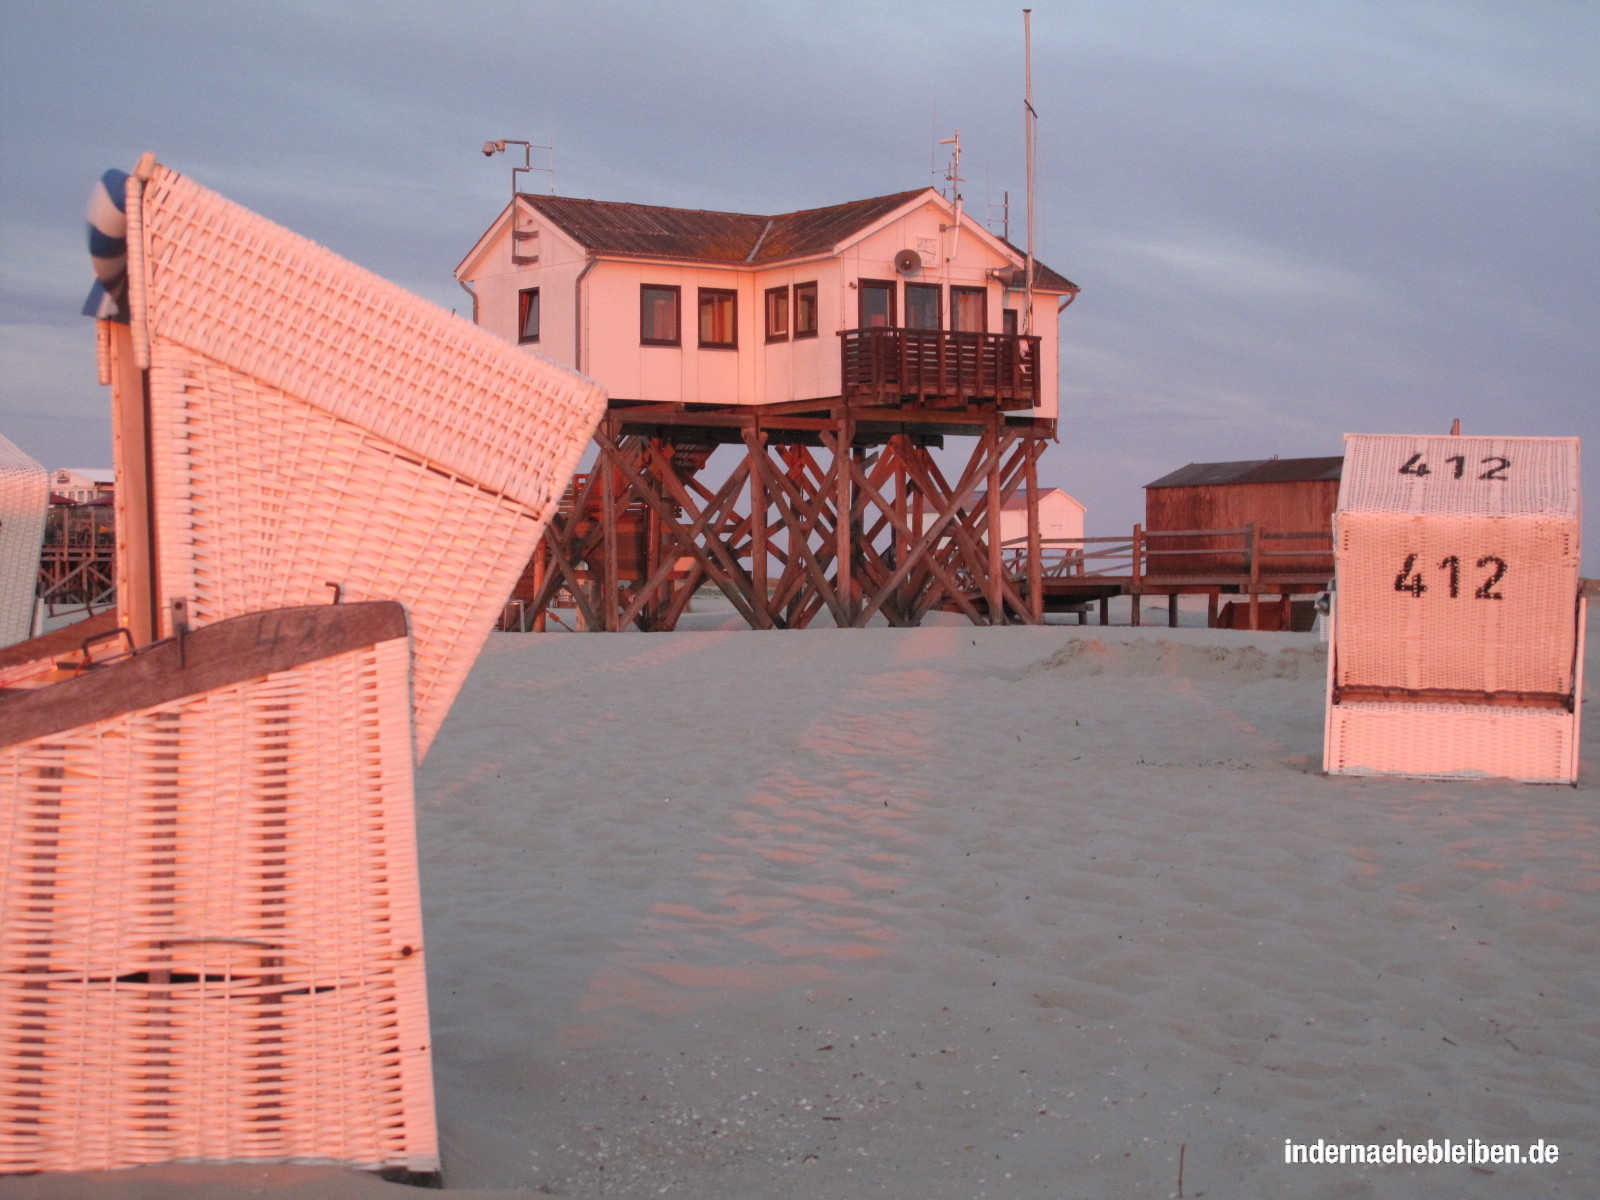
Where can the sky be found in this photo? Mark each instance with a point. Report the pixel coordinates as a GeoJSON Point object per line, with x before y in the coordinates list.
{"type": "Point", "coordinates": [1290, 221]}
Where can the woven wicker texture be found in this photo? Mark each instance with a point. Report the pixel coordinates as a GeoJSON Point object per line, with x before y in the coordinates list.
{"type": "Point", "coordinates": [250, 294]}
{"type": "Point", "coordinates": [1452, 742]}
{"type": "Point", "coordinates": [1457, 570]}
{"type": "Point", "coordinates": [235, 463]}
{"type": "Point", "coordinates": [211, 944]}
{"type": "Point", "coordinates": [24, 496]}
{"type": "Point", "coordinates": [1459, 602]}
{"type": "Point", "coordinates": [314, 424]}
{"type": "Point", "coordinates": [1463, 476]}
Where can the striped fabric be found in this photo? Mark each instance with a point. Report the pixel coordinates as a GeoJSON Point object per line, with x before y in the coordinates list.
{"type": "Point", "coordinates": [108, 248]}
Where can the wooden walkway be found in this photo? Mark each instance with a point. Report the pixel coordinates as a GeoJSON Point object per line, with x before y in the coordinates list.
{"type": "Point", "coordinates": [1263, 570]}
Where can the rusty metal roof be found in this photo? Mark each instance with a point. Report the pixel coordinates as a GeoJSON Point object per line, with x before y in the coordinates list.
{"type": "Point", "coordinates": [1253, 470]}
{"type": "Point", "coordinates": [610, 227]}
{"type": "Point", "coordinates": [1043, 276]}
{"type": "Point", "coordinates": [697, 235]}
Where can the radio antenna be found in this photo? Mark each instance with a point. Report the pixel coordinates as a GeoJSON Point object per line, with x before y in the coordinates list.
{"type": "Point", "coordinates": [1030, 120]}
{"type": "Point", "coordinates": [953, 174]}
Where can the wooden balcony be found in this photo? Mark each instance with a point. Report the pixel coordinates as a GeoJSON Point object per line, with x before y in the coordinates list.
{"type": "Point", "coordinates": [932, 366]}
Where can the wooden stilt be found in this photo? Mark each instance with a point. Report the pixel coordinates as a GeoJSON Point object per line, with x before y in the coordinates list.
{"type": "Point", "coordinates": [541, 568]}
{"type": "Point", "coordinates": [610, 576]}
{"type": "Point", "coordinates": [1135, 617]}
{"type": "Point", "coordinates": [841, 522]}
{"type": "Point", "coordinates": [759, 558]}
{"type": "Point", "coordinates": [815, 516]}
{"type": "Point", "coordinates": [995, 566]}
{"type": "Point", "coordinates": [1035, 564]}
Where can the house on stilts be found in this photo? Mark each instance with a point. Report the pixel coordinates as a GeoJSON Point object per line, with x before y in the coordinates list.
{"type": "Point", "coordinates": [832, 349]}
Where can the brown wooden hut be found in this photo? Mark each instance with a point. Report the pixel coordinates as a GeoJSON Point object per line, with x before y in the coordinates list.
{"type": "Point", "coordinates": [1276, 495]}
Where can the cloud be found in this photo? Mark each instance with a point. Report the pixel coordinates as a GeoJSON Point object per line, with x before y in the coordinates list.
{"type": "Point", "coordinates": [1233, 265]}
{"type": "Point", "coordinates": [1289, 220]}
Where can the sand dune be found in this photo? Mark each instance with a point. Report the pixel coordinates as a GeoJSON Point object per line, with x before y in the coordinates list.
{"type": "Point", "coordinates": [959, 913]}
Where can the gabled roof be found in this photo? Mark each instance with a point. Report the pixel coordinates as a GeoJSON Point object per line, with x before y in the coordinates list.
{"type": "Point", "coordinates": [1253, 470]}
{"type": "Point", "coordinates": [697, 235]}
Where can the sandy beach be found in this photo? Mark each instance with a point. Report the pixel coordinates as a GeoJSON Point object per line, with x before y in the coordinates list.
{"type": "Point", "coordinates": [956, 913]}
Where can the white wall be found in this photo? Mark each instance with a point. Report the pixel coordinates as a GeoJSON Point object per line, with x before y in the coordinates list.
{"type": "Point", "coordinates": [757, 372]}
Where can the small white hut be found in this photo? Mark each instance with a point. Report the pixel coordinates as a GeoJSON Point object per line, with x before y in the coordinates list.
{"type": "Point", "coordinates": [1060, 516]}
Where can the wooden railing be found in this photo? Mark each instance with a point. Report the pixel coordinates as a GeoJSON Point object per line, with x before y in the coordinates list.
{"type": "Point", "coordinates": [1255, 557]}
{"type": "Point", "coordinates": [1244, 560]}
{"type": "Point", "coordinates": [932, 364]}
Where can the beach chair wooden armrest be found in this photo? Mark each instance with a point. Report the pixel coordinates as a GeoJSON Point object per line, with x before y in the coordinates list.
{"type": "Point", "coordinates": [214, 656]}
{"type": "Point", "coordinates": [23, 660]}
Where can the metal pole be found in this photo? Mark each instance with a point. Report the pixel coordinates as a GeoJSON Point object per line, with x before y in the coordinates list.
{"type": "Point", "coordinates": [1030, 151]}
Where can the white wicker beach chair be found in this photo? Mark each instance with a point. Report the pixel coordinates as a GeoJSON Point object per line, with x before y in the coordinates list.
{"type": "Point", "coordinates": [312, 426]}
{"type": "Point", "coordinates": [1456, 647]}
{"type": "Point", "coordinates": [24, 497]}
{"type": "Point", "coordinates": [212, 947]}
{"type": "Point", "coordinates": [210, 934]}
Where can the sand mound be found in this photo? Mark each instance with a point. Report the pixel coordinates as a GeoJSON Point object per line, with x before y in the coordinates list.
{"type": "Point", "coordinates": [1135, 658]}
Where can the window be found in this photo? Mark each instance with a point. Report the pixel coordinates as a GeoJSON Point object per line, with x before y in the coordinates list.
{"type": "Point", "coordinates": [528, 315]}
{"type": "Point", "coordinates": [719, 311]}
{"type": "Point", "coordinates": [922, 306]}
{"type": "Point", "coordinates": [1008, 321]}
{"type": "Point", "coordinates": [778, 314]}
{"type": "Point", "coordinates": [969, 310]}
{"type": "Point", "coordinates": [877, 304]}
{"type": "Point", "coordinates": [658, 315]}
{"type": "Point", "coordinates": [805, 310]}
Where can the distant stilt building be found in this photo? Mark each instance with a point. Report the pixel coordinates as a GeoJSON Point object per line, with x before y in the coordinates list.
{"type": "Point", "coordinates": [1246, 528]}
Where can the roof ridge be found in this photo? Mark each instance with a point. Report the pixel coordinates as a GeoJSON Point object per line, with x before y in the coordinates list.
{"type": "Point", "coordinates": [806, 212]}
{"type": "Point", "coordinates": [722, 212]}
{"type": "Point", "coordinates": [707, 212]}
{"type": "Point", "coordinates": [756, 249]}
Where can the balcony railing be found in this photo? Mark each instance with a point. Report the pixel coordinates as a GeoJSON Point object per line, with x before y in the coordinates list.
{"type": "Point", "coordinates": [940, 367]}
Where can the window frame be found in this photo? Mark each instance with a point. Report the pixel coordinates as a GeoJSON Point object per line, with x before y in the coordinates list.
{"type": "Point", "coordinates": [774, 332]}
{"type": "Point", "coordinates": [528, 299]}
{"type": "Point", "coordinates": [1010, 322]}
{"type": "Point", "coordinates": [732, 296]}
{"type": "Point", "coordinates": [677, 314]}
{"type": "Point", "coordinates": [810, 289]}
{"type": "Point", "coordinates": [925, 289]}
{"type": "Point", "coordinates": [862, 286]}
{"type": "Point", "coordinates": [980, 294]}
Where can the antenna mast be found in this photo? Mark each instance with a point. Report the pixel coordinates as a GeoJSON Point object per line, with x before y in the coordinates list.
{"type": "Point", "coordinates": [954, 176]}
{"type": "Point", "coordinates": [1030, 120]}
